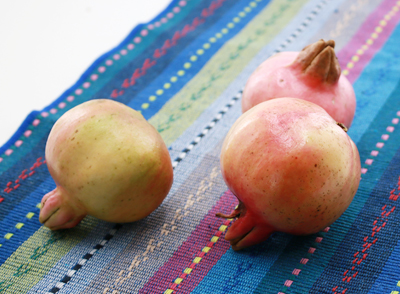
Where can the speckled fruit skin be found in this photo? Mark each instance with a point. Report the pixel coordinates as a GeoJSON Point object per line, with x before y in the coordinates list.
{"type": "Point", "coordinates": [108, 162]}
{"type": "Point", "coordinates": [292, 167]}
{"type": "Point", "coordinates": [313, 74]}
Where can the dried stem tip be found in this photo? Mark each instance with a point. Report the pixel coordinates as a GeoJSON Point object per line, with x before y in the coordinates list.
{"type": "Point", "coordinates": [319, 62]}
{"type": "Point", "coordinates": [342, 126]}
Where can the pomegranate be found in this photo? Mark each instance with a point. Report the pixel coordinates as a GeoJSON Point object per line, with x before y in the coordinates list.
{"type": "Point", "coordinates": [292, 168]}
{"type": "Point", "coordinates": [107, 161]}
{"type": "Point", "coordinates": [312, 74]}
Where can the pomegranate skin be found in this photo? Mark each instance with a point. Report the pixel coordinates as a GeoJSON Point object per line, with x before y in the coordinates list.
{"type": "Point", "coordinates": [312, 74]}
{"type": "Point", "coordinates": [108, 162]}
{"type": "Point", "coordinates": [292, 168]}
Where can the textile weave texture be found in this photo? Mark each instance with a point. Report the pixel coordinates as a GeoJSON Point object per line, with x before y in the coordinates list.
{"type": "Point", "coordinates": [185, 72]}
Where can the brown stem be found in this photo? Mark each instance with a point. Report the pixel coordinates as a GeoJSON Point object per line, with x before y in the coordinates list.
{"type": "Point", "coordinates": [319, 61]}
{"type": "Point", "coordinates": [234, 214]}
{"type": "Point", "coordinates": [342, 126]}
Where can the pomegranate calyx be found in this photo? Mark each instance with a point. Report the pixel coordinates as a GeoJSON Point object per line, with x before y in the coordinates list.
{"type": "Point", "coordinates": [247, 231]}
{"type": "Point", "coordinates": [319, 63]}
{"type": "Point", "coordinates": [56, 213]}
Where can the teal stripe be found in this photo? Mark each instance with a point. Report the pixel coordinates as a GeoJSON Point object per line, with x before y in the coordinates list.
{"type": "Point", "coordinates": [36, 140]}
{"type": "Point", "coordinates": [377, 81]}
{"type": "Point", "coordinates": [243, 270]}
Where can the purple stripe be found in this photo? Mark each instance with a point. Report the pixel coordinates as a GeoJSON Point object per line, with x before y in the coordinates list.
{"type": "Point", "coordinates": [363, 34]}
{"type": "Point", "coordinates": [183, 258]}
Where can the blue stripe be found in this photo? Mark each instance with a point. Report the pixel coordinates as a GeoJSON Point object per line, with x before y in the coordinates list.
{"type": "Point", "coordinates": [358, 222]}
{"type": "Point", "coordinates": [390, 275]}
{"type": "Point", "coordinates": [18, 215]}
{"type": "Point", "coordinates": [377, 81]}
{"type": "Point", "coordinates": [27, 186]}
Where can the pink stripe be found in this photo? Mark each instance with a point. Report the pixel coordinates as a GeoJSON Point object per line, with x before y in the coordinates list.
{"type": "Point", "coordinates": [363, 34]}
{"type": "Point", "coordinates": [183, 257]}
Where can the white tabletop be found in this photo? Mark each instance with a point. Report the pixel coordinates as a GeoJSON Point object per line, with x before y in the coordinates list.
{"type": "Point", "coordinates": [46, 45]}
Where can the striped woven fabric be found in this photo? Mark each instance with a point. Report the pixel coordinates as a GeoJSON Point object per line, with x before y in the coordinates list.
{"type": "Point", "coordinates": [185, 72]}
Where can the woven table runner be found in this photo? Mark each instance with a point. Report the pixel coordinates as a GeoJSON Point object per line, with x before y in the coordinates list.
{"type": "Point", "coordinates": [185, 71]}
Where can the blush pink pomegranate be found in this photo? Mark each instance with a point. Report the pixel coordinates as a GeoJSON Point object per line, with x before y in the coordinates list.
{"type": "Point", "coordinates": [107, 161]}
{"type": "Point", "coordinates": [312, 74]}
{"type": "Point", "coordinates": [292, 168]}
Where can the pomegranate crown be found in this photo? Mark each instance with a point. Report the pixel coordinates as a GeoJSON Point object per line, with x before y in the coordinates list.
{"type": "Point", "coordinates": [319, 62]}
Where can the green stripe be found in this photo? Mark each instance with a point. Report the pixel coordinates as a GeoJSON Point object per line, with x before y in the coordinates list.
{"type": "Point", "coordinates": [36, 256]}
{"type": "Point", "coordinates": [197, 95]}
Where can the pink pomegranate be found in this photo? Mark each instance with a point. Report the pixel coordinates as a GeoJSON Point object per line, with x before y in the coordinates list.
{"type": "Point", "coordinates": [312, 74]}
{"type": "Point", "coordinates": [108, 162]}
{"type": "Point", "coordinates": [292, 168]}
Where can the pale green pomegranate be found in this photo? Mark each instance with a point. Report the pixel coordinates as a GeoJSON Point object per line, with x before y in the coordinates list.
{"type": "Point", "coordinates": [107, 161]}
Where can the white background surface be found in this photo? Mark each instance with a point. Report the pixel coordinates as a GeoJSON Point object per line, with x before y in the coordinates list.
{"type": "Point", "coordinates": [46, 45]}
